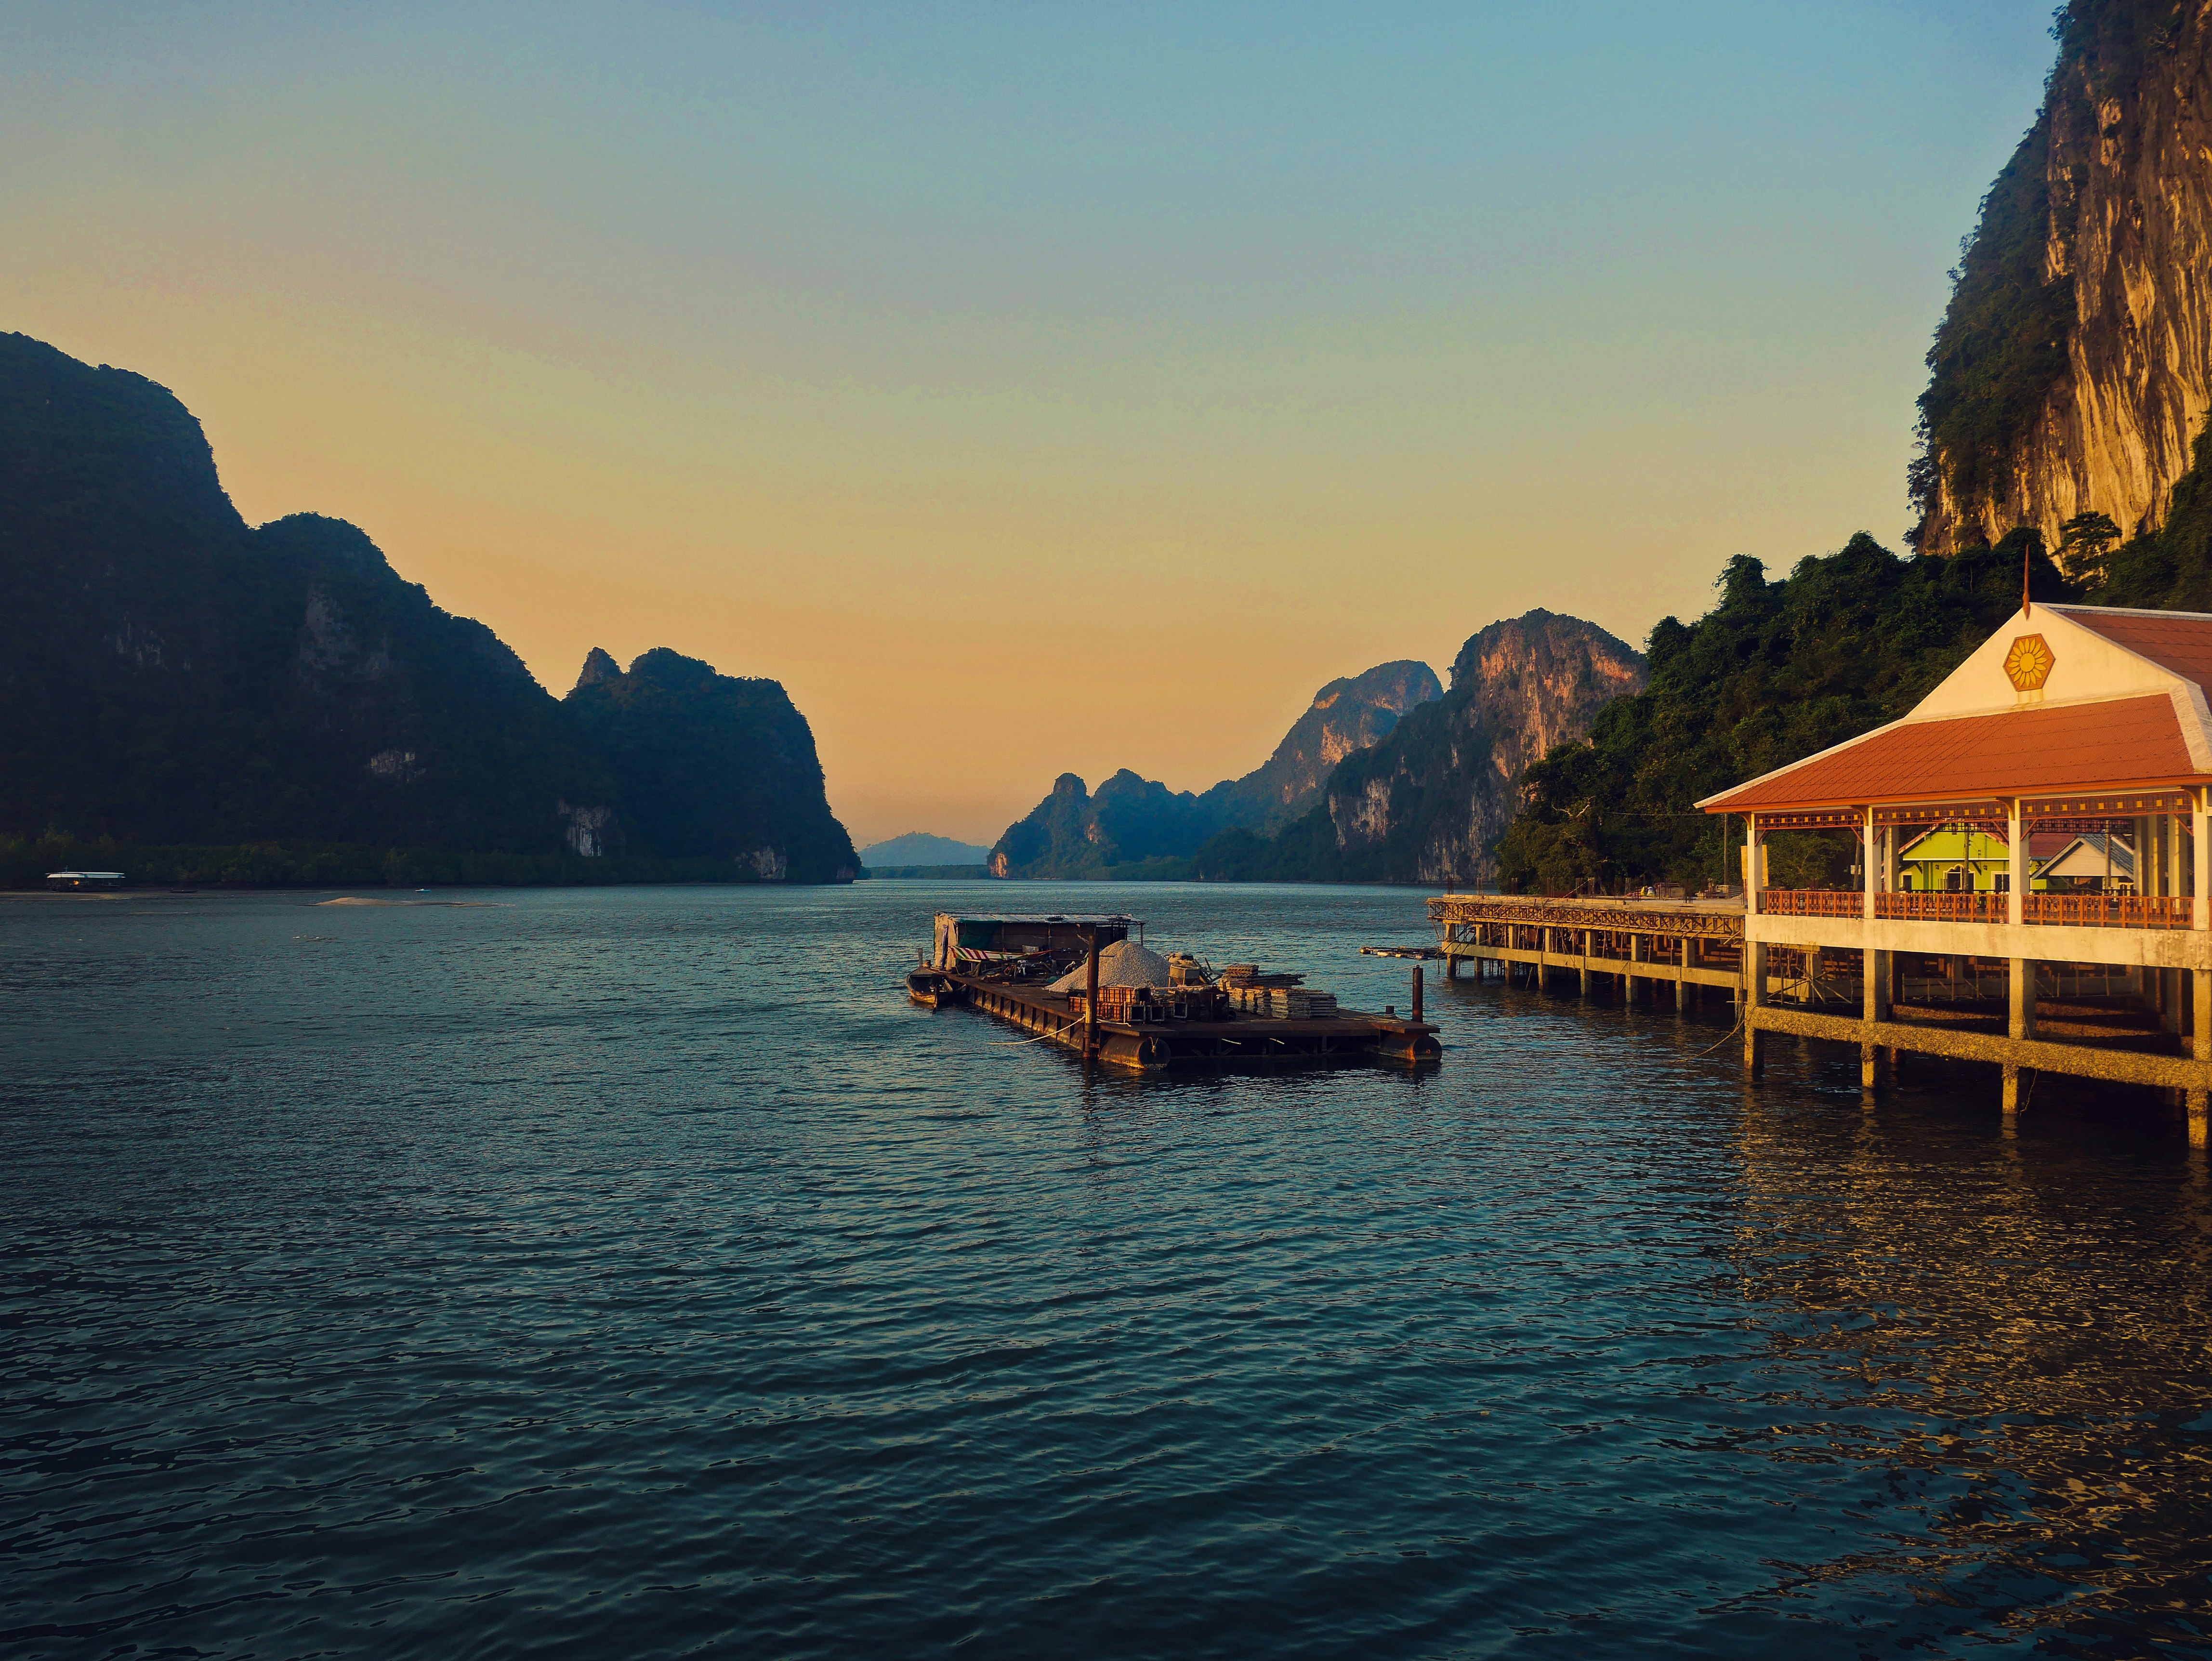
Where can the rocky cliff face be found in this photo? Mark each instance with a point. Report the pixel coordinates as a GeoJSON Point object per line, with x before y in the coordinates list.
{"type": "Point", "coordinates": [709, 766]}
{"type": "Point", "coordinates": [170, 676]}
{"type": "Point", "coordinates": [1428, 803]}
{"type": "Point", "coordinates": [2073, 368]}
{"type": "Point", "coordinates": [1132, 820]}
{"type": "Point", "coordinates": [1345, 717]}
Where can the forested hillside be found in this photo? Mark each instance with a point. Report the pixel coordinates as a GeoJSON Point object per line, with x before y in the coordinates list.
{"type": "Point", "coordinates": [1775, 671]}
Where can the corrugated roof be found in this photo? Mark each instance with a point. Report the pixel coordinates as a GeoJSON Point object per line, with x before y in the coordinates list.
{"type": "Point", "coordinates": [2181, 641]}
{"type": "Point", "coordinates": [2093, 854]}
{"type": "Point", "coordinates": [2083, 746]}
{"type": "Point", "coordinates": [1084, 917]}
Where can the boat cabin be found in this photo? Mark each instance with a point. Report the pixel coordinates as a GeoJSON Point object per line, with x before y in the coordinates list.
{"type": "Point", "coordinates": [995, 936]}
{"type": "Point", "coordinates": [84, 879]}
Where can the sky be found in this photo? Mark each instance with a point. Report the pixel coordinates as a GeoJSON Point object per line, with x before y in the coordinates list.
{"type": "Point", "coordinates": [1029, 389]}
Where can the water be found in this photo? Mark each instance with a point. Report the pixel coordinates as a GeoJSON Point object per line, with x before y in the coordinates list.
{"type": "Point", "coordinates": [636, 1273]}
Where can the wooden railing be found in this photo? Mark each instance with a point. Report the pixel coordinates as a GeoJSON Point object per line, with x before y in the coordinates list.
{"type": "Point", "coordinates": [1812, 902]}
{"type": "Point", "coordinates": [2111, 910]}
{"type": "Point", "coordinates": [2068, 910]}
{"type": "Point", "coordinates": [1942, 906]}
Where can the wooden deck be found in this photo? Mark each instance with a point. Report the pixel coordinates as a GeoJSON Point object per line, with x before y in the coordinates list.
{"type": "Point", "coordinates": [1240, 1041]}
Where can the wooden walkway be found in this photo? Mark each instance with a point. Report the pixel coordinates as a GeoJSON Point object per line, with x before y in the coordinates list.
{"type": "Point", "coordinates": [2087, 1018]}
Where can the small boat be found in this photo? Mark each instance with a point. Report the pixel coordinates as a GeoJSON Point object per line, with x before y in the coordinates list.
{"type": "Point", "coordinates": [934, 989]}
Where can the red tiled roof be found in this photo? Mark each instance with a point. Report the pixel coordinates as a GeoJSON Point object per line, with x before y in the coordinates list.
{"type": "Point", "coordinates": [2181, 642]}
{"type": "Point", "coordinates": [2081, 746]}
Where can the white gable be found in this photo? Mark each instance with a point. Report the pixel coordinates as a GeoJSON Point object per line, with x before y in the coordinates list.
{"type": "Point", "coordinates": [2085, 668]}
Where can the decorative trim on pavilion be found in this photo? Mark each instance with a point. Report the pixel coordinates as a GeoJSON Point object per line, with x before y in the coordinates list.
{"type": "Point", "coordinates": [2116, 722]}
{"type": "Point", "coordinates": [1984, 812]}
{"type": "Point", "coordinates": [2126, 804]}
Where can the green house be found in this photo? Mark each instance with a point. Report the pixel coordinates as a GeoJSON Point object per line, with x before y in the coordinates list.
{"type": "Point", "coordinates": [1955, 859]}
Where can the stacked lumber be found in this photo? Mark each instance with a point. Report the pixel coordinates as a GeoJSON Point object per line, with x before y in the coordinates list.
{"type": "Point", "coordinates": [1283, 1003]}
{"type": "Point", "coordinates": [1248, 973]}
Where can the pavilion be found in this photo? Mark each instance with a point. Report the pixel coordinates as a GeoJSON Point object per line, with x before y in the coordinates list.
{"type": "Point", "coordinates": [2084, 721]}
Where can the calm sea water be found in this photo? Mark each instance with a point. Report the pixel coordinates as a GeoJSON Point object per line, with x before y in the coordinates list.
{"type": "Point", "coordinates": [636, 1273]}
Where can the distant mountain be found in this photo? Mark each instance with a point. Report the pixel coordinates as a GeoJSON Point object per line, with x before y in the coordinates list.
{"type": "Point", "coordinates": [1428, 802]}
{"type": "Point", "coordinates": [919, 848]}
{"type": "Point", "coordinates": [1133, 825]}
{"type": "Point", "coordinates": [1345, 717]}
{"type": "Point", "coordinates": [171, 678]}
{"type": "Point", "coordinates": [707, 766]}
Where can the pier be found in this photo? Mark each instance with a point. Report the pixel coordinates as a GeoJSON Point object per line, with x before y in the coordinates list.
{"type": "Point", "coordinates": [2110, 1012]}
{"type": "Point", "coordinates": [2085, 729]}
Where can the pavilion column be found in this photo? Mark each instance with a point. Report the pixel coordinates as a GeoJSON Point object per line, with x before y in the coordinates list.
{"type": "Point", "coordinates": [1893, 881]}
{"type": "Point", "coordinates": [1874, 965]}
{"type": "Point", "coordinates": [2020, 978]}
{"type": "Point", "coordinates": [1753, 990]}
{"type": "Point", "coordinates": [2016, 834]}
{"type": "Point", "coordinates": [2197, 1100]}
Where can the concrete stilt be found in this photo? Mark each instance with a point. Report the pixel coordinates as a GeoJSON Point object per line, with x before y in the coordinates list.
{"type": "Point", "coordinates": [2019, 980]}
{"type": "Point", "coordinates": [1754, 994]}
{"type": "Point", "coordinates": [1874, 983]}
{"type": "Point", "coordinates": [2200, 1048]}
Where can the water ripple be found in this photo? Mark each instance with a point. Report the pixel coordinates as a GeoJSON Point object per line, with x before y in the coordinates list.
{"type": "Point", "coordinates": [635, 1273]}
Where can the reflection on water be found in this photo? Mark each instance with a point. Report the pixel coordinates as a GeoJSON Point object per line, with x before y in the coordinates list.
{"type": "Point", "coordinates": [638, 1273]}
{"type": "Point", "coordinates": [2007, 1337]}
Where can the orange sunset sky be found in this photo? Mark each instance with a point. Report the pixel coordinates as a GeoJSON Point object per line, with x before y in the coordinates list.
{"type": "Point", "coordinates": [1028, 390]}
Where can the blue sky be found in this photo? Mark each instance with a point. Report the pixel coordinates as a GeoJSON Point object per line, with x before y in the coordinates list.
{"type": "Point", "coordinates": [1238, 347]}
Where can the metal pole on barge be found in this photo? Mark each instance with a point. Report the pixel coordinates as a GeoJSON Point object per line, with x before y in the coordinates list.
{"type": "Point", "coordinates": [1417, 992]}
{"type": "Point", "coordinates": [1091, 998]}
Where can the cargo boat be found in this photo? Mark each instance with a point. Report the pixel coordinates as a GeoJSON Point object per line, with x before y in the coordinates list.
{"type": "Point", "coordinates": [1004, 964]}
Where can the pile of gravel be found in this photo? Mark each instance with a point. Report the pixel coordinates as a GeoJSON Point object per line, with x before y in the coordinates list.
{"type": "Point", "coordinates": [1125, 963]}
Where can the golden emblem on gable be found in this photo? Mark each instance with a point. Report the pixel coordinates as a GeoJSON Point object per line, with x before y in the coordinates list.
{"type": "Point", "coordinates": [2027, 665]}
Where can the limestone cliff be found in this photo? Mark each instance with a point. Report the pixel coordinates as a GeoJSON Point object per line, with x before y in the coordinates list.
{"type": "Point", "coordinates": [1133, 824]}
{"type": "Point", "coordinates": [1428, 802]}
{"type": "Point", "coordinates": [2074, 367]}
{"type": "Point", "coordinates": [172, 679]}
{"type": "Point", "coordinates": [1345, 717]}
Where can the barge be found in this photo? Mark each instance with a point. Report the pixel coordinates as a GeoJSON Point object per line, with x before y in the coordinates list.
{"type": "Point", "coordinates": [1042, 972]}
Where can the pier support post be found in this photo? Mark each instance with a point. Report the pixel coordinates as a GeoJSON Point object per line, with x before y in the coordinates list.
{"type": "Point", "coordinates": [1879, 972]}
{"type": "Point", "coordinates": [1586, 957]}
{"type": "Point", "coordinates": [2200, 1049]}
{"type": "Point", "coordinates": [2020, 1023]}
{"type": "Point", "coordinates": [1090, 1000]}
{"type": "Point", "coordinates": [1639, 950]}
{"type": "Point", "coordinates": [1873, 978]}
{"type": "Point", "coordinates": [1754, 995]}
